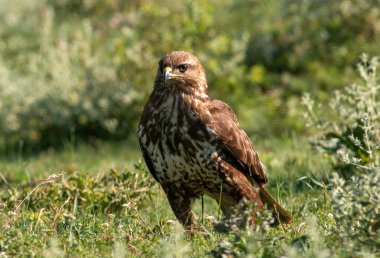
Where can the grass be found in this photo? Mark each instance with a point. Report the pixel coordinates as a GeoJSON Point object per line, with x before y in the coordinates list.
{"type": "Point", "coordinates": [96, 158]}
{"type": "Point", "coordinates": [89, 64]}
{"type": "Point", "coordinates": [106, 203]}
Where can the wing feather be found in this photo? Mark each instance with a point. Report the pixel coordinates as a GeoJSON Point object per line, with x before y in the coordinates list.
{"type": "Point", "coordinates": [149, 162]}
{"type": "Point", "coordinates": [236, 144]}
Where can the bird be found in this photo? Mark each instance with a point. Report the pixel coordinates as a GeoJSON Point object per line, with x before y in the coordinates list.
{"type": "Point", "coordinates": [193, 145]}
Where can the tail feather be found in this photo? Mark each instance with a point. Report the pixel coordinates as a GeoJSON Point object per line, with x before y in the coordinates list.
{"type": "Point", "coordinates": [282, 216]}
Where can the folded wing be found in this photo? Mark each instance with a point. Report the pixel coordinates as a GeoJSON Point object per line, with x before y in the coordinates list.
{"type": "Point", "coordinates": [237, 147]}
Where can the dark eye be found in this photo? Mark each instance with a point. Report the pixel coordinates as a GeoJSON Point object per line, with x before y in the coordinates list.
{"type": "Point", "coordinates": [183, 67]}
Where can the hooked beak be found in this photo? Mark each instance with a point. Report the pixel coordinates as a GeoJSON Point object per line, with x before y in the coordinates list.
{"type": "Point", "coordinates": [167, 73]}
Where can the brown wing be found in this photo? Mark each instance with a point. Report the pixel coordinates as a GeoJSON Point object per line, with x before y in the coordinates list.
{"type": "Point", "coordinates": [238, 149]}
{"type": "Point", "coordinates": [148, 162]}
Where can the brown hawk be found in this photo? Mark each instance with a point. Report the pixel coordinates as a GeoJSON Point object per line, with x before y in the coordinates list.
{"type": "Point", "coordinates": [193, 144]}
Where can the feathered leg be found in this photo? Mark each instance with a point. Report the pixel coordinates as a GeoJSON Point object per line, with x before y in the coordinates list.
{"type": "Point", "coordinates": [181, 206]}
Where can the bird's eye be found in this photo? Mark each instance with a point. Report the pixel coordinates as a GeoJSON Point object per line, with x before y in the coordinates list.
{"type": "Point", "coordinates": [183, 67]}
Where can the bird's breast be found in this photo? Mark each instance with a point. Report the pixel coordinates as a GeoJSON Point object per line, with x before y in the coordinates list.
{"type": "Point", "coordinates": [179, 143]}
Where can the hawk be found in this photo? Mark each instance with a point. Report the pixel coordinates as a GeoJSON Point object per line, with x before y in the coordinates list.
{"type": "Point", "coordinates": [193, 144]}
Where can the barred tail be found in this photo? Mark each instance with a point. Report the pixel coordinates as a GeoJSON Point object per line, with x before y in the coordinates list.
{"type": "Point", "coordinates": [282, 216]}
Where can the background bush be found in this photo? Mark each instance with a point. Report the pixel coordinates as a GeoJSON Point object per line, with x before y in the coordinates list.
{"type": "Point", "coordinates": [350, 137]}
{"type": "Point", "coordinates": [350, 134]}
{"type": "Point", "coordinates": [85, 67]}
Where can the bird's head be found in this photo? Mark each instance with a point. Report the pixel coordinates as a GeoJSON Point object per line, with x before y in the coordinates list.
{"type": "Point", "coordinates": [181, 71]}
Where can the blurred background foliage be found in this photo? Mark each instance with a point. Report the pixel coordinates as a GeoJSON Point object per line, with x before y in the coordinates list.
{"type": "Point", "coordinates": [84, 68]}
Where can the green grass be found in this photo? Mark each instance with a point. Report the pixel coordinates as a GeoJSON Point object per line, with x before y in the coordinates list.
{"type": "Point", "coordinates": [96, 159]}
{"type": "Point", "coordinates": [107, 203]}
{"type": "Point", "coordinates": [89, 65]}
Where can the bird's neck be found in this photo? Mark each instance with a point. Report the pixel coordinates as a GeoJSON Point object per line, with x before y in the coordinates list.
{"type": "Point", "coordinates": [199, 94]}
{"type": "Point", "coordinates": [186, 93]}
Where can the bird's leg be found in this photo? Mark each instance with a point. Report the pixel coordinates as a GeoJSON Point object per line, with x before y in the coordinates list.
{"type": "Point", "coordinates": [232, 193]}
{"type": "Point", "coordinates": [182, 208]}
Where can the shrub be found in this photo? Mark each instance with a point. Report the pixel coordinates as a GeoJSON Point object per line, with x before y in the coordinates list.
{"type": "Point", "coordinates": [247, 224]}
{"type": "Point", "coordinates": [83, 67]}
{"type": "Point", "coordinates": [352, 141]}
{"type": "Point", "coordinates": [350, 134]}
{"type": "Point", "coordinates": [356, 205]}
{"type": "Point", "coordinates": [64, 84]}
